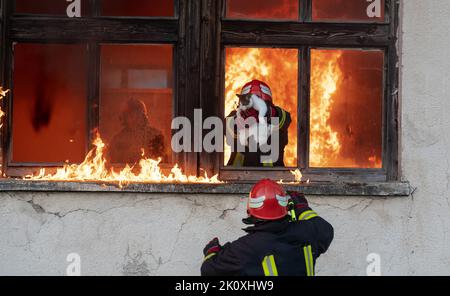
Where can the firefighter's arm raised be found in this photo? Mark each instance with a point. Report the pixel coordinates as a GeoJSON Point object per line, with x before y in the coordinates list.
{"type": "Point", "coordinates": [321, 230]}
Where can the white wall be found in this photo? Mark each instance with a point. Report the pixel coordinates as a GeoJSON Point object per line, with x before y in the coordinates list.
{"type": "Point", "coordinates": [164, 234]}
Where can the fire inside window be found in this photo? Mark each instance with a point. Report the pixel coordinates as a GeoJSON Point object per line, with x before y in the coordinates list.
{"type": "Point", "coordinates": [120, 93]}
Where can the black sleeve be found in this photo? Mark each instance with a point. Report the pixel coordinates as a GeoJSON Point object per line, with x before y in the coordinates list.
{"type": "Point", "coordinates": [224, 263]}
{"type": "Point", "coordinates": [324, 234]}
{"type": "Point", "coordinates": [321, 232]}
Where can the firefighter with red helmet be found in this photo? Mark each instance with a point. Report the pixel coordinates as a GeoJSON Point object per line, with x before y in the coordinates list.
{"type": "Point", "coordinates": [280, 242]}
{"type": "Point", "coordinates": [250, 158]}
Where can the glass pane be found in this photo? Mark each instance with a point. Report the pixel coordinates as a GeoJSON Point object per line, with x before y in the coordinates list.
{"type": "Point", "coordinates": [263, 9]}
{"type": "Point", "coordinates": [49, 104]}
{"type": "Point", "coordinates": [136, 101]}
{"type": "Point", "coordinates": [55, 7]}
{"type": "Point", "coordinates": [276, 67]}
{"type": "Point", "coordinates": [348, 10]}
{"type": "Point", "coordinates": [346, 108]}
{"type": "Point", "coordinates": [151, 8]}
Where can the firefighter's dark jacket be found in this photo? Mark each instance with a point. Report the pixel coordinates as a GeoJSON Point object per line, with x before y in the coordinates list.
{"type": "Point", "coordinates": [273, 248]}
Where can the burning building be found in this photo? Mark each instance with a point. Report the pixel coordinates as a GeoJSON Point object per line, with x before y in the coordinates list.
{"type": "Point", "coordinates": [92, 91]}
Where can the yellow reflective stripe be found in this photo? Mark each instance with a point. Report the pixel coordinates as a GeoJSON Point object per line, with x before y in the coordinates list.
{"type": "Point", "coordinates": [265, 267]}
{"type": "Point", "coordinates": [283, 118]}
{"type": "Point", "coordinates": [238, 160]}
{"type": "Point", "coordinates": [269, 266]}
{"type": "Point", "coordinates": [268, 164]}
{"type": "Point", "coordinates": [309, 260]}
{"type": "Point", "coordinates": [293, 217]}
{"type": "Point", "coordinates": [209, 256]}
{"type": "Point", "coordinates": [310, 216]}
{"type": "Point", "coordinates": [304, 215]}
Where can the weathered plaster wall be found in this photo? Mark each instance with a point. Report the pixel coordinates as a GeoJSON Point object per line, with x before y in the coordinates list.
{"type": "Point", "coordinates": [143, 234]}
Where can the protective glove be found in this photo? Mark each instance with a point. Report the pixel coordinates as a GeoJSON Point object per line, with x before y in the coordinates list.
{"type": "Point", "coordinates": [297, 204]}
{"type": "Point", "coordinates": [212, 247]}
{"type": "Point", "coordinates": [299, 200]}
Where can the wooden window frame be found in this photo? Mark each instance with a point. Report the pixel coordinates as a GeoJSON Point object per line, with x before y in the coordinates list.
{"type": "Point", "coordinates": [95, 30]}
{"type": "Point", "coordinates": [199, 33]}
{"type": "Point", "coordinates": [305, 35]}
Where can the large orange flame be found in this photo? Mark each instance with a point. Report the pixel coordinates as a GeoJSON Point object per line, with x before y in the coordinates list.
{"type": "Point", "coordinates": [279, 69]}
{"type": "Point", "coordinates": [94, 168]}
{"type": "Point", "coordinates": [325, 76]}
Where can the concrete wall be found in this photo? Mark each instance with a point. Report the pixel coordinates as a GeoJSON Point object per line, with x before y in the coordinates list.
{"type": "Point", "coordinates": [144, 234]}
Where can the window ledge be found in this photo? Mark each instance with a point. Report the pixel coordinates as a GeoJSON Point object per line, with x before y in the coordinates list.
{"type": "Point", "coordinates": [326, 189]}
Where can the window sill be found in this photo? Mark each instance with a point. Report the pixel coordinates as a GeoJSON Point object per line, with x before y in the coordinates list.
{"type": "Point", "coordinates": [385, 189]}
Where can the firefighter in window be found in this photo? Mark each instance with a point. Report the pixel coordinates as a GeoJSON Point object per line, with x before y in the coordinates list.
{"type": "Point", "coordinates": [135, 135]}
{"type": "Point", "coordinates": [255, 100]}
{"type": "Point", "coordinates": [286, 238]}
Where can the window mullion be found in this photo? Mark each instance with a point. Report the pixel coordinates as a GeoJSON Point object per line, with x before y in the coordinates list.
{"type": "Point", "coordinates": [303, 107]}
{"type": "Point", "coordinates": [93, 97]}
{"type": "Point", "coordinates": [305, 10]}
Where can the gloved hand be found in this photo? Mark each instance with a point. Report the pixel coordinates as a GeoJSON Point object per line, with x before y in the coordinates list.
{"type": "Point", "coordinates": [299, 199]}
{"type": "Point", "coordinates": [212, 247]}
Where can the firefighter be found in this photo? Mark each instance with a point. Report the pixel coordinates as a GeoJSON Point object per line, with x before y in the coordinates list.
{"type": "Point", "coordinates": [253, 158]}
{"type": "Point", "coordinates": [276, 244]}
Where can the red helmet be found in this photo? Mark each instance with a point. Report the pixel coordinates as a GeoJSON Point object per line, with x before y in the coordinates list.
{"type": "Point", "coordinates": [267, 201]}
{"type": "Point", "coordinates": [258, 88]}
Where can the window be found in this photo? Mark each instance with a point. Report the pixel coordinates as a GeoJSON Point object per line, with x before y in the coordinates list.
{"type": "Point", "coordinates": [149, 8]}
{"type": "Point", "coordinates": [49, 103]}
{"type": "Point", "coordinates": [348, 10]}
{"type": "Point", "coordinates": [346, 92]}
{"type": "Point", "coordinates": [342, 78]}
{"type": "Point", "coordinates": [279, 69]}
{"type": "Point", "coordinates": [263, 9]}
{"type": "Point", "coordinates": [112, 78]}
{"type": "Point", "coordinates": [332, 65]}
{"type": "Point", "coordinates": [136, 101]}
{"type": "Point", "coordinates": [49, 7]}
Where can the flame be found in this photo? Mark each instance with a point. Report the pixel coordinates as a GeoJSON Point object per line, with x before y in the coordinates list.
{"type": "Point", "coordinates": [297, 175]}
{"type": "Point", "coordinates": [2, 95]}
{"type": "Point", "coordinates": [325, 76]}
{"type": "Point", "coordinates": [94, 168]}
{"type": "Point", "coordinates": [279, 69]}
